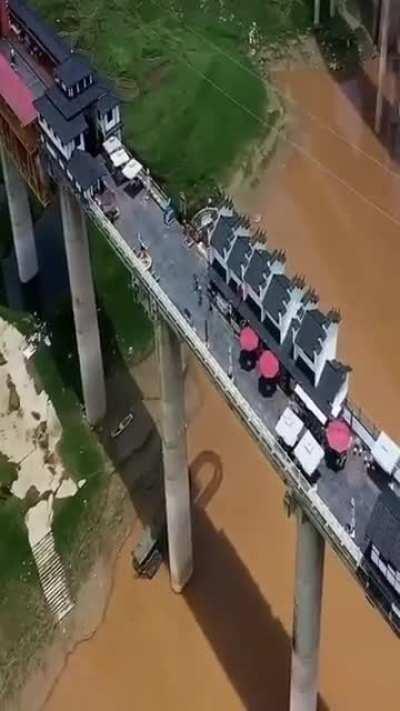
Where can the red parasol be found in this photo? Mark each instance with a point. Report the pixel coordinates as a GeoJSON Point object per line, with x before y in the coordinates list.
{"type": "Point", "coordinates": [268, 365]}
{"type": "Point", "coordinates": [338, 436]}
{"type": "Point", "coordinates": [248, 339]}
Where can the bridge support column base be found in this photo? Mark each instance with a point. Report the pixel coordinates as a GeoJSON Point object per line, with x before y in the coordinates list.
{"type": "Point", "coordinates": [84, 307]}
{"type": "Point", "coordinates": [20, 218]}
{"type": "Point", "coordinates": [307, 616]}
{"type": "Point", "coordinates": [176, 474]}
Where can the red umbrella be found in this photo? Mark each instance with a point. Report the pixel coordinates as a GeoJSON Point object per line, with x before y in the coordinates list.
{"type": "Point", "coordinates": [268, 365]}
{"type": "Point", "coordinates": [248, 339]}
{"type": "Point", "coordinates": [338, 436]}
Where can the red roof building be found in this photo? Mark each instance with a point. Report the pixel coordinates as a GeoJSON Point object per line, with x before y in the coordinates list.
{"type": "Point", "coordinates": [16, 94]}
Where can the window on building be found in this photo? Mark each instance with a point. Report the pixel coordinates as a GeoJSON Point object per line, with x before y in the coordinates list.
{"type": "Point", "coordinates": [77, 141]}
{"type": "Point", "coordinates": [109, 116]}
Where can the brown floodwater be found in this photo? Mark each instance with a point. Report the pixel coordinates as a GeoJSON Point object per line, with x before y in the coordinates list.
{"type": "Point", "coordinates": [225, 643]}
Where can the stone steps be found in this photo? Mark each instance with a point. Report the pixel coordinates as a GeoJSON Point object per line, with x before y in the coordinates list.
{"type": "Point", "coordinates": [52, 577]}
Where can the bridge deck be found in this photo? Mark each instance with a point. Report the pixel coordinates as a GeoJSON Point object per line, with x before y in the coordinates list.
{"type": "Point", "coordinates": [174, 264]}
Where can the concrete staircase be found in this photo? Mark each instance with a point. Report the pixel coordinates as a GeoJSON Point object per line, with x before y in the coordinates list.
{"type": "Point", "coordinates": [52, 577]}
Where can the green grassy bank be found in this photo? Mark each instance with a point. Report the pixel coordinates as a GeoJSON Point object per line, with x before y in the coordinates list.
{"type": "Point", "coordinates": [194, 102]}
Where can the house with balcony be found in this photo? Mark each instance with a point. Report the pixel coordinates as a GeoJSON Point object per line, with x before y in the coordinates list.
{"type": "Point", "coordinates": [314, 353]}
{"type": "Point", "coordinates": [260, 270]}
{"type": "Point", "coordinates": [76, 114]}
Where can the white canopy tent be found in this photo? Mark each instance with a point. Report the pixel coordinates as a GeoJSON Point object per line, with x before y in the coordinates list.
{"type": "Point", "coordinates": [386, 453]}
{"type": "Point", "coordinates": [119, 158]}
{"type": "Point", "coordinates": [289, 427]}
{"type": "Point", "coordinates": [132, 169]}
{"type": "Point", "coordinates": [309, 453]}
{"type": "Point", "coordinates": [112, 144]}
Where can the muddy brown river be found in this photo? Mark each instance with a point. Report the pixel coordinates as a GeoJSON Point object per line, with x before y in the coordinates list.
{"type": "Point", "coordinates": [331, 198]}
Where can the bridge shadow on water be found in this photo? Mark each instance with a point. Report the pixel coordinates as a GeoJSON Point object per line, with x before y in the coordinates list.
{"type": "Point", "coordinates": [250, 643]}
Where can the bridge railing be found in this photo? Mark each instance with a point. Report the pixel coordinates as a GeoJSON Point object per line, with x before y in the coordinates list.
{"type": "Point", "coordinates": [287, 469]}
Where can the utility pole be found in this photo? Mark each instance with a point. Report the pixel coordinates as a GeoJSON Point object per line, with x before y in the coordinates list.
{"type": "Point", "coordinates": [384, 40]}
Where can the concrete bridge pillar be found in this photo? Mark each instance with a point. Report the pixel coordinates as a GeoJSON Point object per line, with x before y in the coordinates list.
{"type": "Point", "coordinates": [84, 306]}
{"type": "Point", "coordinates": [176, 474]}
{"type": "Point", "coordinates": [307, 616]}
{"type": "Point", "coordinates": [20, 218]}
{"type": "Point", "coordinates": [383, 60]}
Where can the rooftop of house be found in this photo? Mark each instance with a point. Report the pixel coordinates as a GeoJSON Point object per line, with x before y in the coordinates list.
{"type": "Point", "coordinates": [333, 376]}
{"type": "Point", "coordinates": [44, 33]}
{"type": "Point", "coordinates": [258, 269]}
{"type": "Point", "coordinates": [75, 68]}
{"type": "Point", "coordinates": [65, 129]}
{"type": "Point", "coordinates": [107, 101]}
{"type": "Point", "coordinates": [237, 258]}
{"type": "Point", "coordinates": [278, 295]}
{"type": "Point", "coordinates": [312, 333]}
{"type": "Point", "coordinates": [383, 529]}
{"type": "Point", "coordinates": [223, 235]}
{"type": "Point", "coordinates": [86, 169]}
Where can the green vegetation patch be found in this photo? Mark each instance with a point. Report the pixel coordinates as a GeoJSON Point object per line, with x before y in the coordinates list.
{"type": "Point", "coordinates": [194, 101]}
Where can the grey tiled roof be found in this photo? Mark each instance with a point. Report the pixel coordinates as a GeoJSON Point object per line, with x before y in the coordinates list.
{"type": "Point", "coordinates": [237, 257]}
{"type": "Point", "coordinates": [66, 130]}
{"type": "Point", "coordinates": [278, 295]}
{"type": "Point", "coordinates": [45, 35]}
{"type": "Point", "coordinates": [258, 269]}
{"type": "Point", "coordinates": [75, 68]}
{"type": "Point", "coordinates": [70, 107]}
{"type": "Point", "coordinates": [311, 333]}
{"type": "Point", "coordinates": [332, 378]}
{"type": "Point", "coordinates": [86, 169]}
{"type": "Point", "coordinates": [107, 102]}
{"type": "Point", "coordinates": [223, 235]}
{"type": "Point", "coordinates": [383, 528]}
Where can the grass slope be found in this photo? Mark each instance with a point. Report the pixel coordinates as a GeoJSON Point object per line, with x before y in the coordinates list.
{"type": "Point", "coordinates": [191, 109]}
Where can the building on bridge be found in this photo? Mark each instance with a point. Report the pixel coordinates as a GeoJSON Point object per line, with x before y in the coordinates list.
{"type": "Point", "coordinates": [52, 99]}
{"type": "Point", "coordinates": [77, 113]}
{"type": "Point", "coordinates": [283, 312]}
{"type": "Point", "coordinates": [383, 536]}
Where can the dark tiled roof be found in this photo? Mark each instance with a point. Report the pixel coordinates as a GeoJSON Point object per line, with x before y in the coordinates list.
{"type": "Point", "coordinates": [311, 333]}
{"type": "Point", "coordinates": [258, 269]}
{"type": "Point", "coordinates": [223, 233]}
{"type": "Point", "coordinates": [332, 378]}
{"type": "Point", "coordinates": [240, 249]}
{"type": "Point", "coordinates": [45, 35]}
{"type": "Point", "coordinates": [383, 528]}
{"type": "Point", "coordinates": [73, 70]}
{"type": "Point", "coordinates": [277, 296]}
{"type": "Point", "coordinates": [107, 102]}
{"type": "Point", "coordinates": [86, 169]}
{"type": "Point", "coordinates": [70, 107]}
{"type": "Point", "coordinates": [66, 130]}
